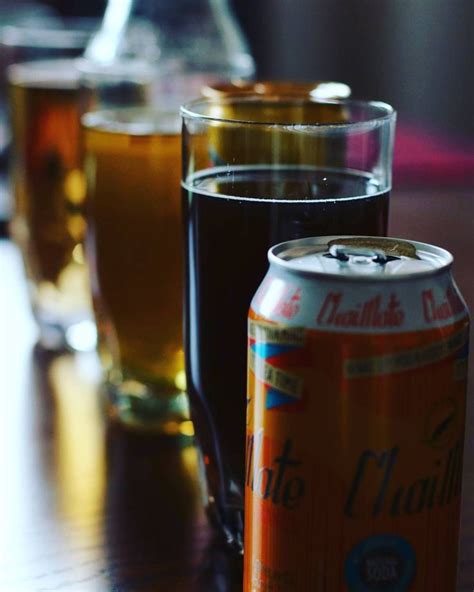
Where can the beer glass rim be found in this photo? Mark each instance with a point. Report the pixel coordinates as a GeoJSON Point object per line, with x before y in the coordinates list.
{"type": "Point", "coordinates": [317, 89]}
{"type": "Point", "coordinates": [68, 33]}
{"type": "Point", "coordinates": [52, 70]}
{"type": "Point", "coordinates": [146, 120]}
{"type": "Point", "coordinates": [121, 69]}
{"type": "Point", "coordinates": [382, 113]}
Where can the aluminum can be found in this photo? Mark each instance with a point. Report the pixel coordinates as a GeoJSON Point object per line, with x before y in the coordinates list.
{"type": "Point", "coordinates": [356, 409]}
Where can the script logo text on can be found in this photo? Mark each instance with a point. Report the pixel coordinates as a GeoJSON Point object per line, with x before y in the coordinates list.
{"type": "Point", "coordinates": [357, 364]}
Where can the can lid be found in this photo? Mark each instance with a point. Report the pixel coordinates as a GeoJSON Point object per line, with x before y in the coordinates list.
{"type": "Point", "coordinates": [360, 257]}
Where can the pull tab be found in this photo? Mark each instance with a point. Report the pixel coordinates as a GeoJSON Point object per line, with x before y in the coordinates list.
{"type": "Point", "coordinates": [359, 255]}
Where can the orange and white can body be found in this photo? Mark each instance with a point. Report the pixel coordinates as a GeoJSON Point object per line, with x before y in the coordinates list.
{"type": "Point", "coordinates": [357, 364]}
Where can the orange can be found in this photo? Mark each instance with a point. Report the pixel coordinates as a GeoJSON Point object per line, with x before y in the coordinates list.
{"type": "Point", "coordinates": [356, 409]}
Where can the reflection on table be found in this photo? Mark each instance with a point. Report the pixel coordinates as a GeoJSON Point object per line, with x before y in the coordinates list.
{"type": "Point", "coordinates": [86, 505]}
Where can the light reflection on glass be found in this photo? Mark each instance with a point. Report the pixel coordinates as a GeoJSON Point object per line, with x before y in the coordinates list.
{"type": "Point", "coordinates": [82, 336]}
{"type": "Point", "coordinates": [272, 297]}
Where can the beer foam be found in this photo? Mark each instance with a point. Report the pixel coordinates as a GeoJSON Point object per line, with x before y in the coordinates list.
{"type": "Point", "coordinates": [45, 74]}
{"type": "Point", "coordinates": [134, 121]}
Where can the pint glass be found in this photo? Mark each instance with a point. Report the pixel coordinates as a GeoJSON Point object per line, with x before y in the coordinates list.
{"type": "Point", "coordinates": [132, 167]}
{"type": "Point", "coordinates": [259, 170]}
{"type": "Point", "coordinates": [48, 185]}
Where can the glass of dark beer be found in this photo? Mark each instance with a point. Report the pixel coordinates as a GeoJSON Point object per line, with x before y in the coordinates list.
{"type": "Point", "coordinates": [258, 170]}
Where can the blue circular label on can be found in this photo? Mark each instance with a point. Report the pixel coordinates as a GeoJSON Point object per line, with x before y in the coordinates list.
{"type": "Point", "coordinates": [382, 563]}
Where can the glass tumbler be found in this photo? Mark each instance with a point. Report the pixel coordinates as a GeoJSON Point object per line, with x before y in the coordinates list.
{"type": "Point", "coordinates": [132, 162]}
{"type": "Point", "coordinates": [258, 170]}
{"type": "Point", "coordinates": [31, 32]}
{"type": "Point", "coordinates": [48, 186]}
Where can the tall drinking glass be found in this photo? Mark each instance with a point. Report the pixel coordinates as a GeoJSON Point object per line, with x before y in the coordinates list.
{"type": "Point", "coordinates": [134, 249]}
{"type": "Point", "coordinates": [48, 185]}
{"type": "Point", "coordinates": [257, 171]}
{"type": "Point", "coordinates": [31, 32]}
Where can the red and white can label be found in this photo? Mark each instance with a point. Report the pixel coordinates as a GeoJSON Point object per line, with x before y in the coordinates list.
{"type": "Point", "coordinates": [354, 443]}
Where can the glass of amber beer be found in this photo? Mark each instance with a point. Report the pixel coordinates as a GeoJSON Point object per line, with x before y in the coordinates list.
{"type": "Point", "coordinates": [48, 185]}
{"type": "Point", "coordinates": [132, 162]}
{"type": "Point", "coordinates": [259, 170]}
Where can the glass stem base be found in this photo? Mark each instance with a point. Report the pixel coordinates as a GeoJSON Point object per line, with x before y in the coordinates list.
{"type": "Point", "coordinates": [140, 406]}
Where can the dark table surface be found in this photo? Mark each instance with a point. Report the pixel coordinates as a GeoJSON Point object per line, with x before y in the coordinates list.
{"type": "Point", "coordinates": [89, 507]}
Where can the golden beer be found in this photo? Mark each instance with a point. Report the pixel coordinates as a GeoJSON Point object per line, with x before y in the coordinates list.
{"type": "Point", "coordinates": [49, 193]}
{"type": "Point", "coordinates": [319, 89]}
{"type": "Point", "coordinates": [271, 105]}
{"type": "Point", "coordinates": [132, 166]}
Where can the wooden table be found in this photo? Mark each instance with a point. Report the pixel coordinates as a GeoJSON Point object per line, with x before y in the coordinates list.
{"type": "Point", "coordinates": [88, 507]}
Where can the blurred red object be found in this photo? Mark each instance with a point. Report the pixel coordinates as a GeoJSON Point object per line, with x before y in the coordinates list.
{"type": "Point", "coordinates": [426, 158]}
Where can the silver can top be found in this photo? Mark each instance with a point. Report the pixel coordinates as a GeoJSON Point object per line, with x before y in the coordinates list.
{"type": "Point", "coordinates": [360, 257]}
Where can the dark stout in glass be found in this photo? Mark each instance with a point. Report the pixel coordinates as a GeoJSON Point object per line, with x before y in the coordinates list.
{"type": "Point", "coordinates": [232, 219]}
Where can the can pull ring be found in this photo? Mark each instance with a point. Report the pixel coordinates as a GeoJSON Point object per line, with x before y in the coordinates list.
{"type": "Point", "coordinates": [359, 255]}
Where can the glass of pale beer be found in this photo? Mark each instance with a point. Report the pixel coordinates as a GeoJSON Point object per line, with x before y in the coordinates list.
{"type": "Point", "coordinates": [132, 159]}
{"type": "Point", "coordinates": [48, 185]}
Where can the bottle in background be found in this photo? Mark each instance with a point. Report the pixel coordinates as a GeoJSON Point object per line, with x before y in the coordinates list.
{"type": "Point", "coordinates": [162, 53]}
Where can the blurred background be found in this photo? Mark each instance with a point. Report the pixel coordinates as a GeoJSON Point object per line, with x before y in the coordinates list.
{"type": "Point", "coordinates": [415, 54]}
